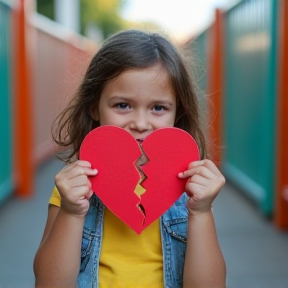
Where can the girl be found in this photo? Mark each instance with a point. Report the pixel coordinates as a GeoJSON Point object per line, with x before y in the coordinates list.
{"type": "Point", "coordinates": [139, 82]}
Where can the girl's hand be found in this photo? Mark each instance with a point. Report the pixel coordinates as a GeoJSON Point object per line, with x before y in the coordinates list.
{"type": "Point", "coordinates": [74, 187]}
{"type": "Point", "coordinates": [203, 185]}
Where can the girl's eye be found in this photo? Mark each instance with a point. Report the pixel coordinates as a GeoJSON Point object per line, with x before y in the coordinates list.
{"type": "Point", "coordinates": [158, 108]}
{"type": "Point", "coordinates": [122, 106]}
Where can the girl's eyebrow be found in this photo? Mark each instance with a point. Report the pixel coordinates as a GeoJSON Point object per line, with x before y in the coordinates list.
{"type": "Point", "coordinates": [120, 98]}
{"type": "Point", "coordinates": [155, 101]}
{"type": "Point", "coordinates": [166, 102]}
{"type": "Point", "coordinates": [162, 103]}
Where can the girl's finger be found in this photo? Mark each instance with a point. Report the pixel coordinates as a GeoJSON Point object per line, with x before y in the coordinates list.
{"type": "Point", "coordinates": [212, 167]}
{"type": "Point", "coordinates": [200, 170]}
{"type": "Point", "coordinates": [81, 163]}
{"type": "Point", "coordinates": [89, 194]}
{"type": "Point", "coordinates": [80, 170]}
{"type": "Point", "coordinates": [197, 179]}
{"type": "Point", "coordinates": [81, 180]}
{"type": "Point", "coordinates": [196, 164]}
{"type": "Point", "coordinates": [191, 166]}
{"type": "Point", "coordinates": [194, 190]}
{"type": "Point", "coordinates": [207, 163]}
{"type": "Point", "coordinates": [79, 193]}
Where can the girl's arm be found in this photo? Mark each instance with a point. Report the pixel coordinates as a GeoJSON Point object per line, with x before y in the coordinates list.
{"type": "Point", "coordinates": [57, 260]}
{"type": "Point", "coordinates": [204, 264]}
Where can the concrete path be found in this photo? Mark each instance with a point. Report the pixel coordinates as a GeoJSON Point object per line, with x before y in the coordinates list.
{"type": "Point", "coordinates": [256, 253]}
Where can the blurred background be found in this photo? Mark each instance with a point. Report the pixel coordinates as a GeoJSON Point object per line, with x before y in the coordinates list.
{"type": "Point", "coordinates": [239, 60]}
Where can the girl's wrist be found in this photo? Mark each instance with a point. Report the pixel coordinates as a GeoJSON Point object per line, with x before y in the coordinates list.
{"type": "Point", "coordinates": [194, 213]}
{"type": "Point", "coordinates": [77, 217]}
{"type": "Point", "coordinates": [200, 218]}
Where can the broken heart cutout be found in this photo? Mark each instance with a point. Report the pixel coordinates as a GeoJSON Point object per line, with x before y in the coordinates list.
{"type": "Point", "coordinates": [114, 153]}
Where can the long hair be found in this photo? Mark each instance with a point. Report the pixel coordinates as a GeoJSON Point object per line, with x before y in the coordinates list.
{"type": "Point", "coordinates": [124, 50]}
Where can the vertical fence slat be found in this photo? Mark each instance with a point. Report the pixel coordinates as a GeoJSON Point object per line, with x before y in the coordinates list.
{"type": "Point", "coordinates": [23, 108]}
{"type": "Point", "coordinates": [6, 178]}
{"type": "Point", "coordinates": [281, 201]}
{"type": "Point", "coordinates": [198, 48]}
{"type": "Point", "coordinates": [215, 87]}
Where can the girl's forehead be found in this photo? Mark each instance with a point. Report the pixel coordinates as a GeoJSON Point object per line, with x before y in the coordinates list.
{"type": "Point", "coordinates": [153, 80]}
{"type": "Point", "coordinates": [155, 74]}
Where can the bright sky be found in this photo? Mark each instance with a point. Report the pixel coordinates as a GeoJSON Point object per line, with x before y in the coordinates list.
{"type": "Point", "coordinates": [179, 18]}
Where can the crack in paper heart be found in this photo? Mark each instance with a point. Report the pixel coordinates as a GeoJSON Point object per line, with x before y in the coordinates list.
{"type": "Point", "coordinates": [141, 161]}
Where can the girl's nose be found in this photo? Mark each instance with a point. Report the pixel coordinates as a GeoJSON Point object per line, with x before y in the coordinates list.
{"type": "Point", "coordinates": [140, 122]}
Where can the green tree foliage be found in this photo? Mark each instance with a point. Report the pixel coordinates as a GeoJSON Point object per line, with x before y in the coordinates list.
{"type": "Point", "coordinates": [46, 8]}
{"type": "Point", "coordinates": [105, 14]}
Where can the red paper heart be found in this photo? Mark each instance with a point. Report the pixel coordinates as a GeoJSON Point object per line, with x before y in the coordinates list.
{"type": "Point", "coordinates": [113, 151]}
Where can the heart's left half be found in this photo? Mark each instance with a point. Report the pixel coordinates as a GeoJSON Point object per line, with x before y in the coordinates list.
{"type": "Point", "coordinates": [114, 151]}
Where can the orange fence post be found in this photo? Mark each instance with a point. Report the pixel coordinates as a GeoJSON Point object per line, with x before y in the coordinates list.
{"type": "Point", "coordinates": [281, 201]}
{"type": "Point", "coordinates": [23, 110]}
{"type": "Point", "coordinates": [215, 87]}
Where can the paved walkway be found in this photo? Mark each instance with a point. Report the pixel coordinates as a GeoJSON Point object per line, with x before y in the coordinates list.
{"type": "Point", "coordinates": [256, 253]}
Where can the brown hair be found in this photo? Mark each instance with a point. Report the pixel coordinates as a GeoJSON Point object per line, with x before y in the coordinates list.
{"type": "Point", "coordinates": [124, 50]}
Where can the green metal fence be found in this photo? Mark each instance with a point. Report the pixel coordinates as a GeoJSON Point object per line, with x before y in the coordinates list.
{"type": "Point", "coordinates": [6, 183]}
{"type": "Point", "coordinates": [199, 60]}
{"type": "Point", "coordinates": [199, 51]}
{"type": "Point", "coordinates": [250, 99]}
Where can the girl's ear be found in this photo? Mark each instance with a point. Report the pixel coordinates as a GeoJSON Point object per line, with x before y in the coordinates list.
{"type": "Point", "coordinates": [94, 114]}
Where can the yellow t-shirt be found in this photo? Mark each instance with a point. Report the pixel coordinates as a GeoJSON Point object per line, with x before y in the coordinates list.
{"type": "Point", "coordinates": [123, 250]}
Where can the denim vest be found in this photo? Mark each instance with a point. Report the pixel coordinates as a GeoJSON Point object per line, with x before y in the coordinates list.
{"type": "Point", "coordinates": [173, 227]}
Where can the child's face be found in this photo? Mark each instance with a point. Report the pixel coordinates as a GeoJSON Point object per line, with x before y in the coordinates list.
{"type": "Point", "coordinates": [138, 100]}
